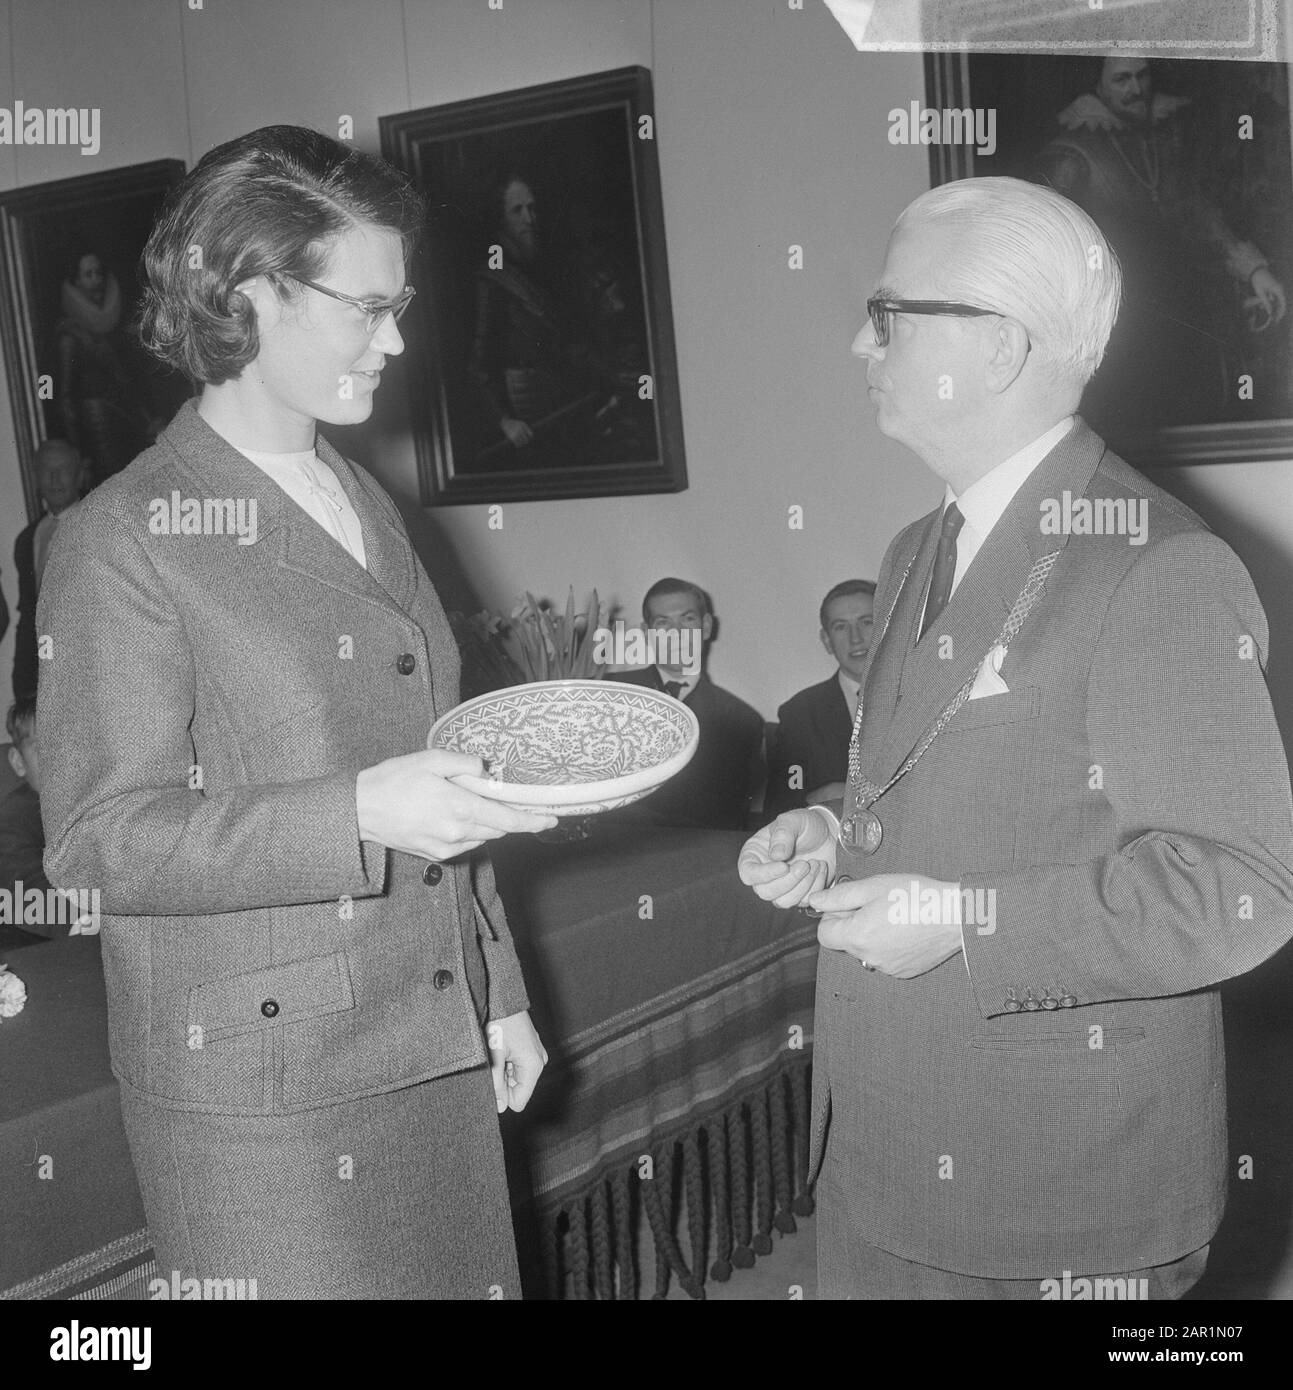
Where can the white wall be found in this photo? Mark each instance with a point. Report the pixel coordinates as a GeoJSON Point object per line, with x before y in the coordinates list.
{"type": "Point", "coordinates": [771, 130]}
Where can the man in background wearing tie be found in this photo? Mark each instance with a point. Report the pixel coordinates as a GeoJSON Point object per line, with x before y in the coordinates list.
{"type": "Point", "coordinates": [715, 788]}
{"type": "Point", "coordinates": [1067, 817]}
{"type": "Point", "coordinates": [809, 762]}
{"type": "Point", "coordinates": [60, 475]}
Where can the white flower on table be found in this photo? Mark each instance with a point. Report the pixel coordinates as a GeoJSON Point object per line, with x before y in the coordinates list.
{"type": "Point", "coordinates": [13, 993]}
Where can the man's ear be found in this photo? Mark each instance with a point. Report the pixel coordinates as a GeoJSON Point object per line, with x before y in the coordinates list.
{"type": "Point", "coordinates": [16, 761]}
{"type": "Point", "coordinates": [707, 627]}
{"type": "Point", "coordinates": [826, 641]}
{"type": "Point", "coordinates": [1009, 353]}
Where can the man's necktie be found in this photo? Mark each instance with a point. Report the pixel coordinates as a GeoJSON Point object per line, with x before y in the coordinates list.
{"type": "Point", "coordinates": [940, 584]}
{"type": "Point", "coordinates": [673, 688]}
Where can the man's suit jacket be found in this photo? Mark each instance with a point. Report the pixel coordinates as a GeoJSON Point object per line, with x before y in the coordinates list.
{"type": "Point", "coordinates": [1125, 811]}
{"type": "Point", "coordinates": [715, 787]}
{"type": "Point", "coordinates": [813, 731]}
{"type": "Point", "coordinates": [25, 661]}
{"type": "Point", "coordinates": [203, 718]}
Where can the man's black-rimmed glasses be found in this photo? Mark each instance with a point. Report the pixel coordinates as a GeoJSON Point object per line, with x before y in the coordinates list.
{"type": "Point", "coordinates": [881, 309]}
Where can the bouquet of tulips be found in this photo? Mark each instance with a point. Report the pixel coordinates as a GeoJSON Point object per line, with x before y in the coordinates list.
{"type": "Point", "coordinates": [553, 648]}
{"type": "Point", "coordinates": [536, 644]}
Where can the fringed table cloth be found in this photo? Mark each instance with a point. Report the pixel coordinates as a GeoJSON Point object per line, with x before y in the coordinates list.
{"type": "Point", "coordinates": [677, 1009]}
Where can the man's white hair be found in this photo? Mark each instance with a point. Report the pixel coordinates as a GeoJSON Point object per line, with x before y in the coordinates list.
{"type": "Point", "coordinates": [1034, 256]}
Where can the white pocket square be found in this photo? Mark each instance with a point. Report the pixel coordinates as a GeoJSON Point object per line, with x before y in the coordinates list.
{"type": "Point", "coordinates": [987, 680]}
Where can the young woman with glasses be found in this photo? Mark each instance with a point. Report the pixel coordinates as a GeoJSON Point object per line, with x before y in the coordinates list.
{"type": "Point", "coordinates": [315, 1007]}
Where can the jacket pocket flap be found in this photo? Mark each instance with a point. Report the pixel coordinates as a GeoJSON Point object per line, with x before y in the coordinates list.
{"type": "Point", "coordinates": [279, 994]}
{"type": "Point", "coordinates": [1008, 708]}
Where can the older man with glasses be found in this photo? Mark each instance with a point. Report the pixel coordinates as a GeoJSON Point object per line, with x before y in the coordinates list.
{"type": "Point", "coordinates": [1067, 818]}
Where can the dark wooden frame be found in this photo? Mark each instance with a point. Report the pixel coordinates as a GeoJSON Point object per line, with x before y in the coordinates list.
{"type": "Point", "coordinates": [24, 261]}
{"type": "Point", "coordinates": [421, 142]}
{"type": "Point", "coordinates": [947, 80]}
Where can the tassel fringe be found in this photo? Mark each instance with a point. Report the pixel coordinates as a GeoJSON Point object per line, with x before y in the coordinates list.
{"type": "Point", "coordinates": [730, 1180]}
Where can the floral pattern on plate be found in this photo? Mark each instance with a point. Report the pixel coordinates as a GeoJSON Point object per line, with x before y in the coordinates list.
{"type": "Point", "coordinates": [562, 733]}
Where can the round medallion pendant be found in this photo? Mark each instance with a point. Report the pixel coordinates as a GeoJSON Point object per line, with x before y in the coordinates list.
{"type": "Point", "coordinates": [863, 831]}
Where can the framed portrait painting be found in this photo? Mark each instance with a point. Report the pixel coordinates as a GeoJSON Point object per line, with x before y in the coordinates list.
{"type": "Point", "coordinates": [1186, 168]}
{"type": "Point", "coordinates": [69, 290]}
{"type": "Point", "coordinates": [542, 361]}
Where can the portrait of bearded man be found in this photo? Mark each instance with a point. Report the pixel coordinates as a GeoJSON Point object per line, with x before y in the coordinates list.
{"type": "Point", "coordinates": [1198, 289]}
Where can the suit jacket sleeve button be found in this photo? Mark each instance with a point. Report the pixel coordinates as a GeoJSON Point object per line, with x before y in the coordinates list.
{"type": "Point", "coordinates": [432, 875]}
{"type": "Point", "coordinates": [407, 664]}
{"type": "Point", "coordinates": [442, 979]}
{"type": "Point", "coordinates": [270, 1008]}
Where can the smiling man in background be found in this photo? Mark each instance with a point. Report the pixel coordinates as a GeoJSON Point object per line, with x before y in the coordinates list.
{"type": "Point", "coordinates": [810, 759]}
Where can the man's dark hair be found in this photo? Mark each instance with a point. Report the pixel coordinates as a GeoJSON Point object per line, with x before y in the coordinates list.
{"type": "Point", "coordinates": [20, 722]}
{"type": "Point", "coordinates": [678, 586]}
{"type": "Point", "coordinates": [844, 590]}
{"type": "Point", "coordinates": [269, 203]}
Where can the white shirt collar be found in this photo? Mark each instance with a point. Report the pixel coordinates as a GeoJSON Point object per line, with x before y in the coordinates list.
{"type": "Point", "coordinates": [851, 689]}
{"type": "Point", "coordinates": [983, 503]}
{"type": "Point", "coordinates": [280, 465]}
{"type": "Point", "coordinates": [317, 490]}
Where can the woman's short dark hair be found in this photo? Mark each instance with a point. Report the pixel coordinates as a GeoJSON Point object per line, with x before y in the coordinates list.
{"type": "Point", "coordinates": [269, 203]}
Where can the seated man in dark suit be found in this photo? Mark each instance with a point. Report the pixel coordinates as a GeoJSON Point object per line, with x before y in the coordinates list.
{"type": "Point", "coordinates": [22, 838]}
{"type": "Point", "coordinates": [715, 788]}
{"type": "Point", "coordinates": [60, 475]}
{"type": "Point", "coordinates": [809, 762]}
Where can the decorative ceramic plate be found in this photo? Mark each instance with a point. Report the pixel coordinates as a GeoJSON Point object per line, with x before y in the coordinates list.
{"type": "Point", "coordinates": [571, 748]}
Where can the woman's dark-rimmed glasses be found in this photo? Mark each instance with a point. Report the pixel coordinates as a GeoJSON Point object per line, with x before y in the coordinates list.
{"type": "Point", "coordinates": [376, 309]}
